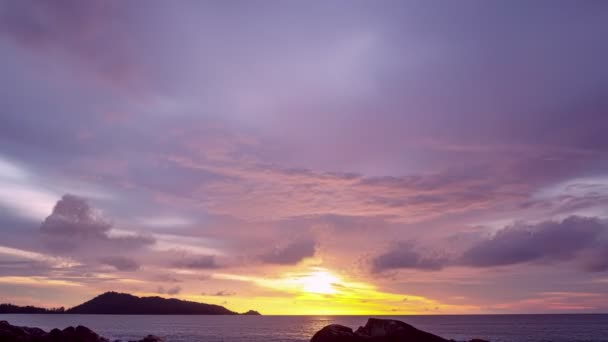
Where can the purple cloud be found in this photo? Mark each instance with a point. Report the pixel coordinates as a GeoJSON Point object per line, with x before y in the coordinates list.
{"type": "Point", "coordinates": [121, 263]}
{"type": "Point", "coordinates": [581, 240]}
{"type": "Point", "coordinates": [87, 33]}
{"type": "Point", "coordinates": [170, 291]}
{"type": "Point", "coordinates": [405, 255]}
{"type": "Point", "coordinates": [292, 253]}
{"type": "Point", "coordinates": [74, 225]}
{"type": "Point", "coordinates": [549, 241]}
{"type": "Point", "coordinates": [72, 216]}
{"type": "Point", "coordinates": [196, 262]}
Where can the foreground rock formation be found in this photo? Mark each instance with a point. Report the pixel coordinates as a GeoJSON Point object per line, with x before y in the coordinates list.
{"type": "Point", "coordinates": [11, 333]}
{"type": "Point", "coordinates": [377, 330]}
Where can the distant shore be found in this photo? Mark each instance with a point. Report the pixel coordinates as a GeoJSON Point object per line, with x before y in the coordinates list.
{"type": "Point", "coordinates": [114, 303]}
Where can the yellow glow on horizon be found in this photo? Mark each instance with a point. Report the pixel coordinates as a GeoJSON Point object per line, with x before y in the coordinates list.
{"type": "Point", "coordinates": [318, 291]}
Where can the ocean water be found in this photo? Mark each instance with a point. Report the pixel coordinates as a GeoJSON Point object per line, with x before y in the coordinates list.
{"type": "Point", "coordinates": [496, 328]}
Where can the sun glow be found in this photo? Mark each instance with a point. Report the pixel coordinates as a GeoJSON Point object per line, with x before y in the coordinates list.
{"type": "Point", "coordinates": [319, 291]}
{"type": "Point", "coordinates": [321, 282]}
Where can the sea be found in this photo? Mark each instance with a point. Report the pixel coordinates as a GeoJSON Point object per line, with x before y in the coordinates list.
{"type": "Point", "coordinates": [495, 328]}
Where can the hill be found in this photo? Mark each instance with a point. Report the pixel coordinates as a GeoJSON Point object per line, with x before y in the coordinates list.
{"type": "Point", "coordinates": [113, 303]}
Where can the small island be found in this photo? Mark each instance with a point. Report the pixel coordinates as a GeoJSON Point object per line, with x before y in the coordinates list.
{"type": "Point", "coordinates": [251, 313]}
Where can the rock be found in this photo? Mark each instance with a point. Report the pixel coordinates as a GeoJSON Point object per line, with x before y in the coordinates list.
{"type": "Point", "coordinates": [335, 333]}
{"type": "Point", "coordinates": [377, 330]}
{"type": "Point", "coordinates": [11, 333]}
{"type": "Point", "coordinates": [70, 334]}
{"type": "Point", "coordinates": [393, 330]}
{"type": "Point", "coordinates": [34, 332]}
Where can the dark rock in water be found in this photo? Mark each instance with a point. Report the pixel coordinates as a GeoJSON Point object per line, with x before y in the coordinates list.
{"type": "Point", "coordinates": [377, 330]}
{"type": "Point", "coordinates": [335, 333]}
{"type": "Point", "coordinates": [395, 331]}
{"type": "Point", "coordinates": [11, 333]}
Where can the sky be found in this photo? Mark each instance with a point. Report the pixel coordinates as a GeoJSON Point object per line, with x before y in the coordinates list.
{"type": "Point", "coordinates": [306, 157]}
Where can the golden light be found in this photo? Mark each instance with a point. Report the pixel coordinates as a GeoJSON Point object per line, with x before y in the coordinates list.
{"type": "Point", "coordinates": [319, 291]}
{"type": "Point", "coordinates": [320, 282]}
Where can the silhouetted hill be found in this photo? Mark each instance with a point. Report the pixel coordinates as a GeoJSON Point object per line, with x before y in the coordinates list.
{"type": "Point", "coordinates": [113, 303]}
{"type": "Point", "coordinates": [15, 309]}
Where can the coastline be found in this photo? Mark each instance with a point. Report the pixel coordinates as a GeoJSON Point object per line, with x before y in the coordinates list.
{"type": "Point", "coordinates": [215, 328]}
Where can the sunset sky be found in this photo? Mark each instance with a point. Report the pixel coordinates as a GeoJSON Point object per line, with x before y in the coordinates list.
{"type": "Point", "coordinates": [306, 157]}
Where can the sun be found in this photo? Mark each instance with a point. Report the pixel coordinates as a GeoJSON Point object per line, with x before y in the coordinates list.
{"type": "Point", "coordinates": [320, 282]}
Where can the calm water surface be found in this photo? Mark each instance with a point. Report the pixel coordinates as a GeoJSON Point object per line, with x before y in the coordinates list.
{"type": "Point", "coordinates": [496, 328]}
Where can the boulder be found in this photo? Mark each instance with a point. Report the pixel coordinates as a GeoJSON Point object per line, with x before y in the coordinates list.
{"type": "Point", "coordinates": [11, 333]}
{"type": "Point", "coordinates": [335, 333]}
{"type": "Point", "coordinates": [377, 330]}
{"type": "Point", "coordinates": [393, 330]}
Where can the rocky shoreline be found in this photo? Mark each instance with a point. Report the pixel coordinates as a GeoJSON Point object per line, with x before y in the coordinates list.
{"type": "Point", "coordinates": [11, 333]}
{"type": "Point", "coordinates": [375, 330]}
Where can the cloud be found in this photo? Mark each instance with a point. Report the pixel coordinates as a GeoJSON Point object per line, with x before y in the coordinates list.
{"type": "Point", "coordinates": [82, 31]}
{"type": "Point", "coordinates": [72, 216]}
{"type": "Point", "coordinates": [74, 225]}
{"type": "Point", "coordinates": [170, 291]}
{"type": "Point", "coordinates": [174, 290]}
{"type": "Point", "coordinates": [121, 263]}
{"type": "Point", "coordinates": [12, 266]}
{"type": "Point", "coordinates": [222, 293]}
{"type": "Point", "coordinates": [20, 196]}
{"type": "Point", "coordinates": [169, 278]}
{"type": "Point", "coordinates": [404, 255]}
{"type": "Point", "coordinates": [292, 253]}
{"type": "Point", "coordinates": [549, 241]}
{"type": "Point", "coordinates": [581, 240]}
{"type": "Point", "coordinates": [254, 191]}
{"type": "Point", "coordinates": [596, 259]}
{"type": "Point", "coordinates": [196, 262]}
